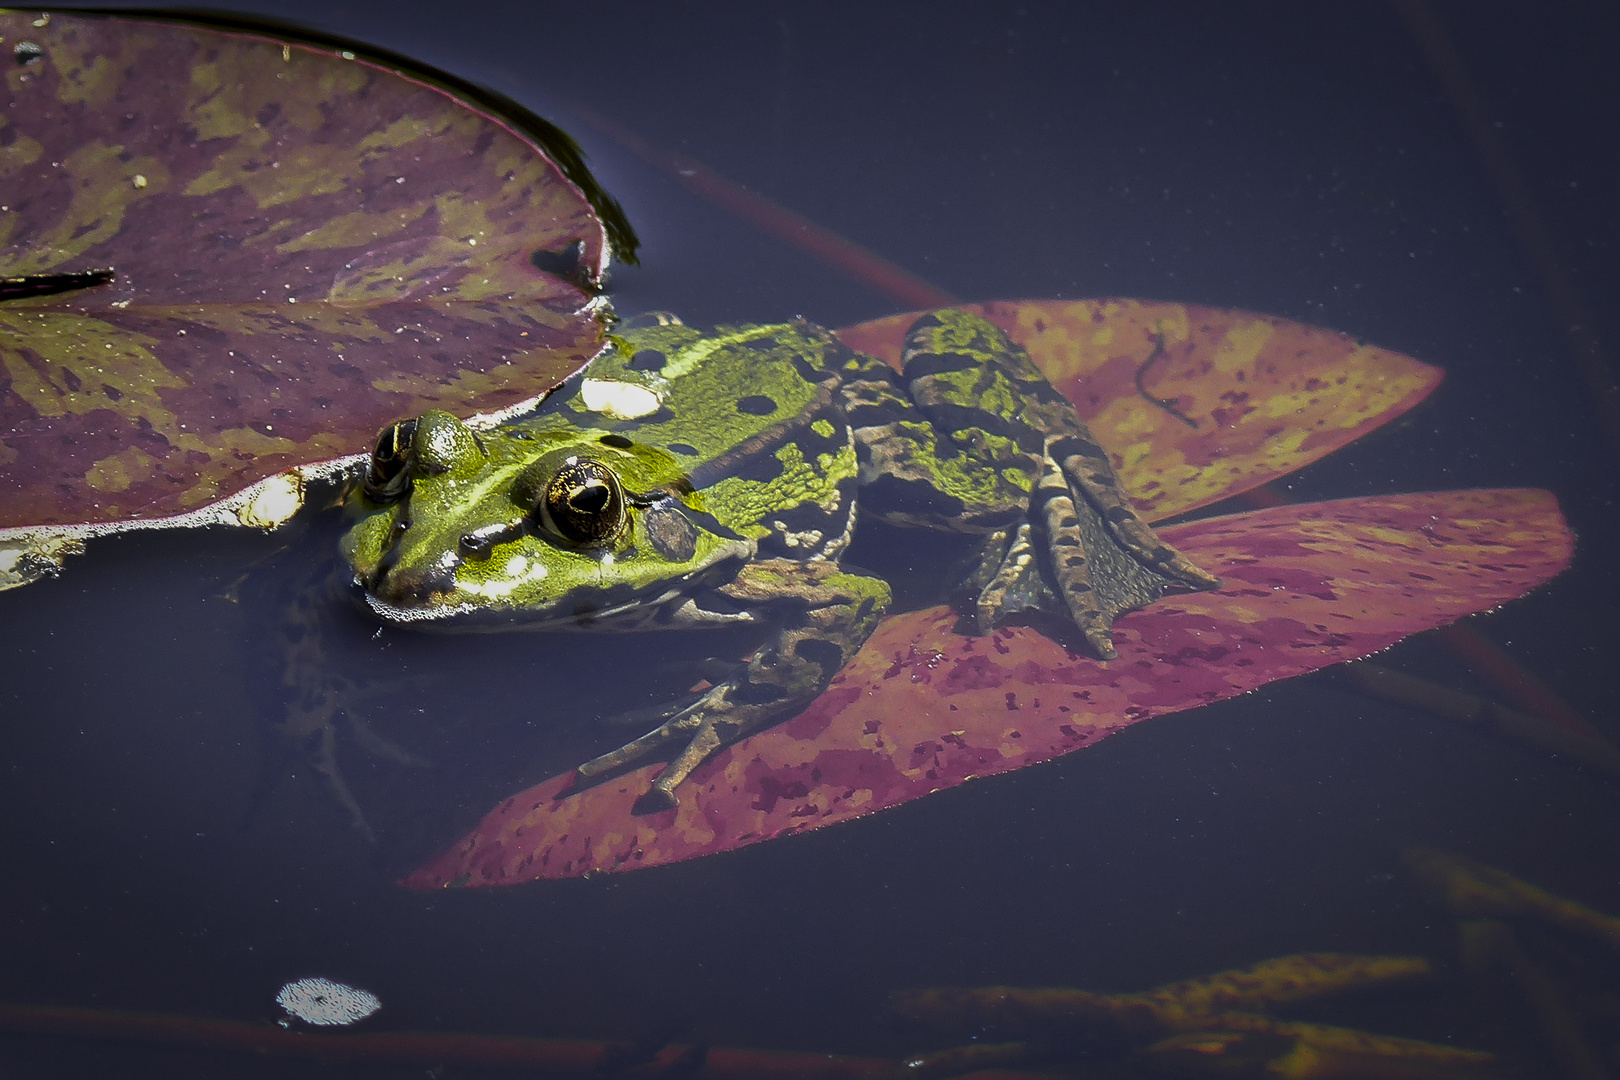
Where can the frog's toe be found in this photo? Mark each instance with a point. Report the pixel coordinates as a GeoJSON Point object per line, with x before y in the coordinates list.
{"type": "Point", "coordinates": [1105, 560]}
{"type": "Point", "coordinates": [381, 747]}
{"type": "Point", "coordinates": [635, 750]}
{"type": "Point", "coordinates": [1011, 581]}
{"type": "Point", "coordinates": [1076, 466]}
{"type": "Point", "coordinates": [655, 800]}
{"type": "Point", "coordinates": [323, 759]}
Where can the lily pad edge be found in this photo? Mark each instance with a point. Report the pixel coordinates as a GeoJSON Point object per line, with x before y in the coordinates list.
{"type": "Point", "coordinates": [31, 552]}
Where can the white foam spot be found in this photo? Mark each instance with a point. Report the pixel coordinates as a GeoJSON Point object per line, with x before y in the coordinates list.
{"type": "Point", "coordinates": [620, 400]}
{"type": "Point", "coordinates": [327, 1003]}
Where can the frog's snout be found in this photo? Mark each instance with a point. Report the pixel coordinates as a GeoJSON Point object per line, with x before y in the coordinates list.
{"type": "Point", "coordinates": [413, 586]}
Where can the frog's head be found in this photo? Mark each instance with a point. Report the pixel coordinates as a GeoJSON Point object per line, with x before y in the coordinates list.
{"type": "Point", "coordinates": [510, 526]}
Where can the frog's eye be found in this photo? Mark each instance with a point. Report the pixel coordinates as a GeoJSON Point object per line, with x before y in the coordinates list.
{"type": "Point", "coordinates": [386, 477]}
{"type": "Point", "coordinates": [583, 502]}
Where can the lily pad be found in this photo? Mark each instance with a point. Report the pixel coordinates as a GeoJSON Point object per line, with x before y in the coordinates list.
{"type": "Point", "coordinates": [306, 243]}
{"type": "Point", "coordinates": [922, 708]}
{"type": "Point", "coordinates": [1246, 397]}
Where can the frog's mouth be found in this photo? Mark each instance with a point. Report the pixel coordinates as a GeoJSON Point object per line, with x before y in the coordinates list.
{"type": "Point", "coordinates": [436, 598]}
{"type": "Point", "coordinates": [670, 610]}
{"type": "Point", "coordinates": [401, 594]}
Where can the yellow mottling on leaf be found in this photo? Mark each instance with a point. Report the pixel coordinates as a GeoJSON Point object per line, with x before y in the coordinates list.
{"type": "Point", "coordinates": [272, 177]}
{"type": "Point", "coordinates": [22, 152]}
{"type": "Point", "coordinates": [403, 132]}
{"type": "Point", "coordinates": [85, 80]}
{"type": "Point", "coordinates": [274, 319]}
{"type": "Point", "coordinates": [93, 84]}
{"type": "Point", "coordinates": [226, 449]}
{"type": "Point", "coordinates": [692, 829]}
{"type": "Point", "coordinates": [213, 110]}
{"type": "Point", "coordinates": [92, 365]}
{"type": "Point", "coordinates": [463, 385]}
{"type": "Point", "coordinates": [355, 229]}
{"type": "Point", "coordinates": [1241, 345]}
{"type": "Point", "coordinates": [227, 98]}
{"type": "Point", "coordinates": [102, 193]}
{"type": "Point", "coordinates": [1394, 538]}
{"type": "Point", "coordinates": [116, 473]}
{"type": "Point", "coordinates": [1169, 321]}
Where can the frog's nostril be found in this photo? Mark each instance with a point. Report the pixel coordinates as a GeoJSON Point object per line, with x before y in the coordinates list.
{"type": "Point", "coordinates": [477, 545]}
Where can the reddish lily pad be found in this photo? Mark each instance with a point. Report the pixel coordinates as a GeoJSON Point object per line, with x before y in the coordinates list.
{"type": "Point", "coordinates": [1261, 396]}
{"type": "Point", "coordinates": [921, 708]}
{"type": "Point", "coordinates": [307, 245]}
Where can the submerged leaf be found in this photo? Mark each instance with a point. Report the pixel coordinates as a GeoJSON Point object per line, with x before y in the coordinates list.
{"type": "Point", "coordinates": [922, 708]}
{"type": "Point", "coordinates": [305, 246]}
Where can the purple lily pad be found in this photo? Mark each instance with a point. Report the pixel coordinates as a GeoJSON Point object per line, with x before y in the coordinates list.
{"type": "Point", "coordinates": [306, 246]}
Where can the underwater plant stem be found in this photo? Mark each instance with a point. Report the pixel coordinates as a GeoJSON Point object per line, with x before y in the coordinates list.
{"type": "Point", "coordinates": [553, 1057]}
{"type": "Point", "coordinates": [1512, 679]}
{"type": "Point", "coordinates": [1487, 943]}
{"type": "Point", "coordinates": [1519, 205]}
{"type": "Point", "coordinates": [1378, 681]}
{"type": "Point", "coordinates": [836, 251]}
{"type": "Point", "coordinates": [1470, 890]}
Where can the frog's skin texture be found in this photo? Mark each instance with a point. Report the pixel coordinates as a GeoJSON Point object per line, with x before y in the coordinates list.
{"type": "Point", "coordinates": [686, 479]}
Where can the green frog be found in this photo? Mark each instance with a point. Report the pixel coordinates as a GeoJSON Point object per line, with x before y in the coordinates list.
{"type": "Point", "coordinates": [685, 479]}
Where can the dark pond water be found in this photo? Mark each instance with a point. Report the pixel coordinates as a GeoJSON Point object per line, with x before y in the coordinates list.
{"type": "Point", "coordinates": [161, 854]}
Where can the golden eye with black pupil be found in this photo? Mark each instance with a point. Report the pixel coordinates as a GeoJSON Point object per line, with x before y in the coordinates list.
{"type": "Point", "coordinates": [386, 477]}
{"type": "Point", "coordinates": [584, 502]}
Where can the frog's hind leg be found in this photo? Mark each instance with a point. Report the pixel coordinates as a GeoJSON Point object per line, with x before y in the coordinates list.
{"type": "Point", "coordinates": [1008, 580]}
{"type": "Point", "coordinates": [828, 613]}
{"type": "Point", "coordinates": [1085, 464]}
{"type": "Point", "coordinates": [1105, 560]}
{"type": "Point", "coordinates": [320, 707]}
{"type": "Point", "coordinates": [1011, 435]}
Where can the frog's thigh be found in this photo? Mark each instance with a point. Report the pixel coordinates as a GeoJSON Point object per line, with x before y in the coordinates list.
{"type": "Point", "coordinates": [830, 614]}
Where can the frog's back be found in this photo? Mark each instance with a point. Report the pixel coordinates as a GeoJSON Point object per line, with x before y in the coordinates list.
{"type": "Point", "coordinates": [750, 416]}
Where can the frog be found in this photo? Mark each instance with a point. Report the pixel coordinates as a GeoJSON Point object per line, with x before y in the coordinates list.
{"type": "Point", "coordinates": [686, 479]}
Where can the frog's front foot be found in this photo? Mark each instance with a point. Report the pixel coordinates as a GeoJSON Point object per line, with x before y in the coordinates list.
{"type": "Point", "coordinates": [702, 740]}
{"type": "Point", "coordinates": [654, 800]}
{"type": "Point", "coordinates": [825, 614]}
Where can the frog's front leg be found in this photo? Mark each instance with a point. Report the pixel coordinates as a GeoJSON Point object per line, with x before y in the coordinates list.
{"type": "Point", "coordinates": [826, 614]}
